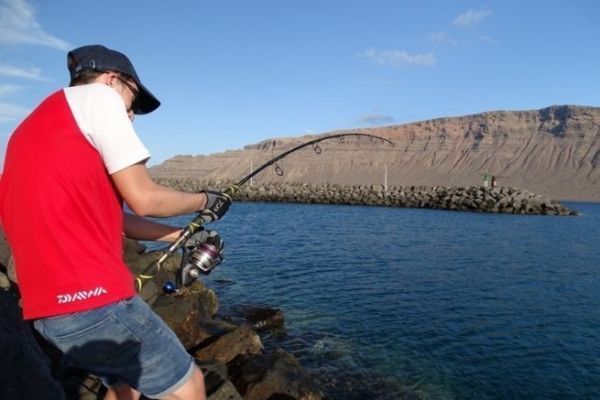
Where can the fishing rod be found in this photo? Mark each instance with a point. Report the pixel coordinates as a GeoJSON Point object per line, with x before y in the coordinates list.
{"type": "Point", "coordinates": [206, 256]}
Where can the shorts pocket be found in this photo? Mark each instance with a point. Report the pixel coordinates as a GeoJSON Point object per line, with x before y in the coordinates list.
{"type": "Point", "coordinates": [106, 343]}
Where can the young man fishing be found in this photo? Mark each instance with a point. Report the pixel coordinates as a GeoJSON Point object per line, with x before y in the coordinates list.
{"type": "Point", "coordinates": [69, 166]}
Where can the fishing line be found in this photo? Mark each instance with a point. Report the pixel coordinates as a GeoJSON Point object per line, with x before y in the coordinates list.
{"type": "Point", "coordinates": [204, 262]}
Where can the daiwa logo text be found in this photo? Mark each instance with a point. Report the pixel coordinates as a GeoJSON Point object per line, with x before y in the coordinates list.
{"type": "Point", "coordinates": [82, 295]}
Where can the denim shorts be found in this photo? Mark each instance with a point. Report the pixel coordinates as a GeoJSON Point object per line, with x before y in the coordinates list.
{"type": "Point", "coordinates": [124, 342]}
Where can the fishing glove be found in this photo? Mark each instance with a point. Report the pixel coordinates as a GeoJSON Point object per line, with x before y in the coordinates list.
{"type": "Point", "coordinates": [205, 236]}
{"type": "Point", "coordinates": [217, 204]}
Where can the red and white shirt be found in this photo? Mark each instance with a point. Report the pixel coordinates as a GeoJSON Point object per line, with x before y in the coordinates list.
{"type": "Point", "coordinates": [59, 209]}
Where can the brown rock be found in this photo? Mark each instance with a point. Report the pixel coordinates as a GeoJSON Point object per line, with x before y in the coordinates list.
{"type": "Point", "coordinates": [274, 376]}
{"type": "Point", "coordinates": [242, 341]}
{"type": "Point", "coordinates": [182, 315]}
{"type": "Point", "coordinates": [225, 391]}
{"type": "Point", "coordinates": [263, 318]}
{"type": "Point", "coordinates": [218, 387]}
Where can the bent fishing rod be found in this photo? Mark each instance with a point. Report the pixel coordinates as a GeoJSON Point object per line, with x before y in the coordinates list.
{"type": "Point", "coordinates": [203, 261]}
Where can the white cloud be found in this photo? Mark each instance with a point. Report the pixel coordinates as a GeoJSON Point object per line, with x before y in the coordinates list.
{"type": "Point", "coordinates": [471, 17]}
{"type": "Point", "coordinates": [15, 72]}
{"type": "Point", "coordinates": [9, 89]}
{"type": "Point", "coordinates": [375, 119]}
{"type": "Point", "coordinates": [399, 58]}
{"type": "Point", "coordinates": [10, 112]}
{"type": "Point", "coordinates": [19, 26]}
{"type": "Point", "coordinates": [443, 38]}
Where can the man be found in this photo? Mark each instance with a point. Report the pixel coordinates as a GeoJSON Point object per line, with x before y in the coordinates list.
{"type": "Point", "coordinates": [69, 166]}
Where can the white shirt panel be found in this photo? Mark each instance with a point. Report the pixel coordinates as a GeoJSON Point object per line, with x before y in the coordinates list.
{"type": "Point", "coordinates": [101, 115]}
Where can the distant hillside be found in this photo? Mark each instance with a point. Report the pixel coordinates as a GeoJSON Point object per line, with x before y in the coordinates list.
{"type": "Point", "coordinates": [554, 151]}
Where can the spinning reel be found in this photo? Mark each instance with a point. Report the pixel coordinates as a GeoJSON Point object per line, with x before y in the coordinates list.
{"type": "Point", "coordinates": [199, 258]}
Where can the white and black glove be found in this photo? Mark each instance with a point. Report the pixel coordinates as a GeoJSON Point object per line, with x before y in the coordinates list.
{"type": "Point", "coordinates": [204, 236]}
{"type": "Point", "coordinates": [217, 204]}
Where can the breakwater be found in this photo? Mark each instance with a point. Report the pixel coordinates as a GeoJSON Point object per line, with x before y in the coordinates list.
{"type": "Point", "coordinates": [507, 200]}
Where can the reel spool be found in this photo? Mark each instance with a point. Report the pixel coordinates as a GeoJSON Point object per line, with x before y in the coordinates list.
{"type": "Point", "coordinates": [198, 260]}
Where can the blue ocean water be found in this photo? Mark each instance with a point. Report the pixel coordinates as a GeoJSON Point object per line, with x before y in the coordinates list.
{"type": "Point", "coordinates": [389, 303]}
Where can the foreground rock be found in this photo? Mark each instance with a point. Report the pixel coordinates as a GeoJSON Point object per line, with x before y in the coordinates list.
{"type": "Point", "coordinates": [232, 356]}
{"type": "Point", "coordinates": [505, 200]}
{"type": "Point", "coordinates": [242, 341]}
{"type": "Point", "coordinates": [274, 376]}
{"type": "Point", "coordinates": [260, 318]}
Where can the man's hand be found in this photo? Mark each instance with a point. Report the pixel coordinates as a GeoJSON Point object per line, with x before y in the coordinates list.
{"type": "Point", "coordinates": [205, 236]}
{"type": "Point", "coordinates": [217, 204]}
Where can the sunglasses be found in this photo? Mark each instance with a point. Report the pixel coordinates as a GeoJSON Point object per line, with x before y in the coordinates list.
{"type": "Point", "coordinates": [134, 91]}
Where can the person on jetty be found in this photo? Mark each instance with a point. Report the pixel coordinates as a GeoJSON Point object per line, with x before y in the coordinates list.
{"type": "Point", "coordinates": [69, 166]}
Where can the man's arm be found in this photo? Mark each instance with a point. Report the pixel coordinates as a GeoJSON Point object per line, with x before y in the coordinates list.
{"type": "Point", "coordinates": [147, 198]}
{"type": "Point", "coordinates": [144, 229]}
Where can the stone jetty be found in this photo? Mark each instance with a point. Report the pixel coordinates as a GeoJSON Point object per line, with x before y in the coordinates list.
{"type": "Point", "coordinates": [507, 200]}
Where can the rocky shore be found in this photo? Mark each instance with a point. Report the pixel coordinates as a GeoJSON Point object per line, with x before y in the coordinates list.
{"type": "Point", "coordinates": [456, 198]}
{"type": "Point", "coordinates": [227, 347]}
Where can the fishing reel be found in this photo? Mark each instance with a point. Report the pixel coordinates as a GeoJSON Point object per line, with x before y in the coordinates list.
{"type": "Point", "coordinates": [201, 254]}
{"type": "Point", "coordinates": [202, 258]}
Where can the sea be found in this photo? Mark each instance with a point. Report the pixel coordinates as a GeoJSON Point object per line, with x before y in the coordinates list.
{"type": "Point", "coordinates": [405, 303]}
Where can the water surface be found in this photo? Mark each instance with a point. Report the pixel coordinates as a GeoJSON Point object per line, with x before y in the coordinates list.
{"type": "Point", "coordinates": [385, 302]}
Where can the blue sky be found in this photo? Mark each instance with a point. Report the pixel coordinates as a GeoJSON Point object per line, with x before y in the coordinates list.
{"type": "Point", "coordinates": [235, 72]}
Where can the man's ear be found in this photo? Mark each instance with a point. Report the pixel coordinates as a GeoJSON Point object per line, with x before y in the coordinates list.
{"type": "Point", "coordinates": [106, 78]}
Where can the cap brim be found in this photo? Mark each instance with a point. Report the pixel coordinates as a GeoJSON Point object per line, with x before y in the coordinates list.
{"type": "Point", "coordinates": [145, 102]}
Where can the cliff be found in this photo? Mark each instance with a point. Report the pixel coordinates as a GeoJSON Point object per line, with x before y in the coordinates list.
{"type": "Point", "coordinates": [554, 151]}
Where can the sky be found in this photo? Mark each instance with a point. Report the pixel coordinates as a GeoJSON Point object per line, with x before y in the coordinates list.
{"type": "Point", "coordinates": [235, 72]}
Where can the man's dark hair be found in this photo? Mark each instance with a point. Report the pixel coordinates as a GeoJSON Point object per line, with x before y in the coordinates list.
{"type": "Point", "coordinates": [85, 77]}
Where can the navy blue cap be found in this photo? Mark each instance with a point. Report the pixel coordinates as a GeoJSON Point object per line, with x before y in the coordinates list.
{"type": "Point", "coordinates": [99, 58]}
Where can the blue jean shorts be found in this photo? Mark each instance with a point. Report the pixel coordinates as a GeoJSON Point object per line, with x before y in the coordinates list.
{"type": "Point", "coordinates": [122, 343]}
